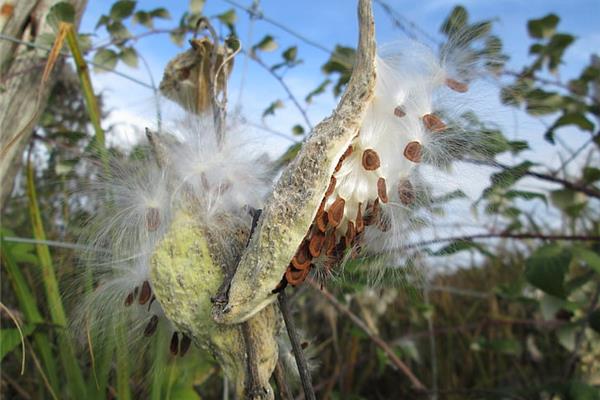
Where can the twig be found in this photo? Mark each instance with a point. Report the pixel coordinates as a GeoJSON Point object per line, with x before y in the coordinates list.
{"type": "Point", "coordinates": [397, 362]}
{"type": "Point", "coordinates": [253, 389]}
{"type": "Point", "coordinates": [305, 377]}
{"type": "Point", "coordinates": [282, 386]}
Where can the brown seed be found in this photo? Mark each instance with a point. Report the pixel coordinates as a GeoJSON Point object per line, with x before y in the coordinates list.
{"type": "Point", "coordinates": [129, 299]}
{"type": "Point", "coordinates": [406, 192]}
{"type": "Point", "coordinates": [384, 224]}
{"type": "Point", "coordinates": [433, 123]}
{"type": "Point", "coordinates": [145, 293]}
{"type": "Point", "coordinates": [185, 345]}
{"type": "Point", "coordinates": [336, 212]}
{"type": "Point", "coordinates": [152, 219]}
{"type": "Point", "coordinates": [346, 154]}
{"type": "Point", "coordinates": [302, 258]}
{"type": "Point", "coordinates": [382, 190]}
{"type": "Point", "coordinates": [373, 213]}
{"type": "Point", "coordinates": [151, 326]}
{"type": "Point", "coordinates": [412, 151]}
{"type": "Point", "coordinates": [329, 244]}
{"type": "Point", "coordinates": [321, 220]}
{"type": "Point", "coordinates": [370, 160]}
{"type": "Point", "coordinates": [331, 187]}
{"type": "Point", "coordinates": [350, 234]}
{"type": "Point", "coordinates": [360, 224]}
{"type": "Point", "coordinates": [295, 276]}
{"type": "Point", "coordinates": [281, 285]}
{"type": "Point", "coordinates": [399, 112]}
{"type": "Point", "coordinates": [174, 345]}
{"type": "Point", "coordinates": [316, 244]}
{"type": "Point", "coordinates": [457, 86]}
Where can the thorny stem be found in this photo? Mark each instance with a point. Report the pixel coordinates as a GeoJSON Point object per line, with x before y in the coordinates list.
{"type": "Point", "coordinates": [397, 362]}
{"type": "Point", "coordinates": [305, 377]}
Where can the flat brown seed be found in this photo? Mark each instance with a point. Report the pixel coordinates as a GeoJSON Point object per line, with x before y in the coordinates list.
{"type": "Point", "coordinates": [382, 190]}
{"type": "Point", "coordinates": [350, 234]}
{"type": "Point", "coordinates": [316, 244]}
{"type": "Point", "coordinates": [331, 187]}
{"type": "Point", "coordinates": [321, 220]}
{"type": "Point", "coordinates": [457, 86]}
{"type": "Point", "coordinates": [370, 160]}
{"type": "Point", "coordinates": [129, 299]}
{"type": "Point", "coordinates": [174, 345]}
{"type": "Point", "coordinates": [186, 342]}
{"type": "Point", "coordinates": [433, 123]}
{"type": "Point", "coordinates": [145, 293]}
{"type": "Point", "coordinates": [412, 151]}
{"type": "Point", "coordinates": [329, 244]}
{"type": "Point", "coordinates": [295, 277]}
{"type": "Point", "coordinates": [152, 219]}
{"type": "Point", "coordinates": [151, 326]}
{"type": "Point", "coordinates": [302, 259]}
{"type": "Point", "coordinates": [399, 112]}
{"type": "Point", "coordinates": [281, 285]}
{"type": "Point", "coordinates": [360, 224]}
{"type": "Point", "coordinates": [336, 212]}
{"type": "Point", "coordinates": [406, 192]}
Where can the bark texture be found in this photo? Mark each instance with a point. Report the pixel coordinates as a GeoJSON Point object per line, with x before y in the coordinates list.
{"type": "Point", "coordinates": [22, 94]}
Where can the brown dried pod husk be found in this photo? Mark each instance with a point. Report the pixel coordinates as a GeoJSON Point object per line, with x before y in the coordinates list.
{"type": "Point", "coordinates": [457, 86]}
{"type": "Point", "coordinates": [433, 123]}
{"type": "Point", "coordinates": [382, 190]}
{"type": "Point", "coordinates": [413, 151]}
{"type": "Point", "coordinates": [370, 160]}
{"type": "Point", "coordinates": [151, 326]}
{"type": "Point", "coordinates": [336, 212]}
{"type": "Point", "coordinates": [174, 345]}
{"type": "Point", "coordinates": [145, 293]}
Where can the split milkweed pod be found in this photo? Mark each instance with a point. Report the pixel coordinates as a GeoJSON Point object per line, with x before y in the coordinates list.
{"type": "Point", "coordinates": [174, 345]}
{"type": "Point", "coordinates": [406, 192]}
{"type": "Point", "coordinates": [316, 243]}
{"type": "Point", "coordinates": [457, 86]}
{"type": "Point", "coordinates": [412, 152]}
{"type": "Point", "coordinates": [382, 190]}
{"type": "Point", "coordinates": [433, 123]}
{"type": "Point", "coordinates": [399, 112]}
{"type": "Point", "coordinates": [152, 219]}
{"type": "Point", "coordinates": [370, 160]}
{"type": "Point", "coordinates": [302, 258]}
{"type": "Point", "coordinates": [145, 293]}
{"type": "Point", "coordinates": [151, 326]}
{"type": "Point", "coordinates": [185, 345]}
{"type": "Point", "coordinates": [295, 276]}
{"type": "Point", "coordinates": [336, 212]}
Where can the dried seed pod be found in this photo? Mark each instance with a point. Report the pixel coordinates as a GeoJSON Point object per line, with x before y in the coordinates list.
{"type": "Point", "coordinates": [152, 219]}
{"type": "Point", "coordinates": [174, 345]}
{"type": "Point", "coordinates": [433, 123]}
{"type": "Point", "coordinates": [412, 151]}
{"type": "Point", "coordinates": [145, 293]}
{"type": "Point", "coordinates": [302, 259]}
{"type": "Point", "coordinates": [399, 112]}
{"type": "Point", "coordinates": [406, 192]}
{"type": "Point", "coordinates": [457, 86]}
{"type": "Point", "coordinates": [382, 190]}
{"type": "Point", "coordinates": [359, 223]}
{"type": "Point", "coordinates": [186, 342]}
{"type": "Point", "coordinates": [316, 243]}
{"type": "Point", "coordinates": [331, 187]}
{"type": "Point", "coordinates": [336, 212]}
{"type": "Point", "coordinates": [151, 326]}
{"type": "Point", "coordinates": [295, 276]}
{"type": "Point", "coordinates": [350, 234]}
{"type": "Point", "coordinates": [370, 160]}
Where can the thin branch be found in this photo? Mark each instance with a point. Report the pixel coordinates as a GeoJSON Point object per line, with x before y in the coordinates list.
{"type": "Point", "coordinates": [282, 386]}
{"type": "Point", "coordinates": [397, 362]}
{"type": "Point", "coordinates": [303, 370]}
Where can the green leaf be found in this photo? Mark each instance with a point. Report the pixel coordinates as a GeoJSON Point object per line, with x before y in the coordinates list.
{"type": "Point", "coordinates": [143, 18]}
{"type": "Point", "coordinates": [122, 9]}
{"type": "Point", "coordinates": [177, 37]}
{"type": "Point", "coordinates": [517, 146]}
{"type": "Point", "coordinates": [569, 201]}
{"type": "Point", "coordinates": [512, 194]}
{"type": "Point", "coordinates": [340, 62]}
{"type": "Point", "coordinates": [298, 130]}
{"type": "Point", "coordinates": [61, 12]}
{"type": "Point", "coordinates": [591, 174]}
{"type": "Point", "coordinates": [544, 27]}
{"type": "Point", "coordinates": [103, 20]}
{"type": "Point", "coordinates": [588, 256]}
{"type": "Point", "coordinates": [594, 320]}
{"type": "Point", "coordinates": [455, 194]}
{"type": "Point", "coordinates": [129, 56]}
{"type": "Point", "coordinates": [460, 245]}
{"type": "Point", "coordinates": [106, 59]}
{"type": "Point", "coordinates": [267, 43]}
{"type": "Point", "coordinates": [290, 54]}
{"type": "Point", "coordinates": [196, 6]}
{"type": "Point", "coordinates": [10, 338]}
{"type": "Point", "coordinates": [289, 155]}
{"type": "Point", "coordinates": [229, 18]}
{"type": "Point", "coordinates": [184, 393]}
{"type": "Point", "coordinates": [507, 178]}
{"type": "Point", "coordinates": [272, 107]}
{"type": "Point", "coordinates": [318, 90]}
{"type": "Point", "coordinates": [118, 31]}
{"type": "Point", "coordinates": [546, 269]}
{"type": "Point", "coordinates": [577, 119]}
{"type": "Point", "coordinates": [456, 21]}
{"type": "Point", "coordinates": [160, 12]}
